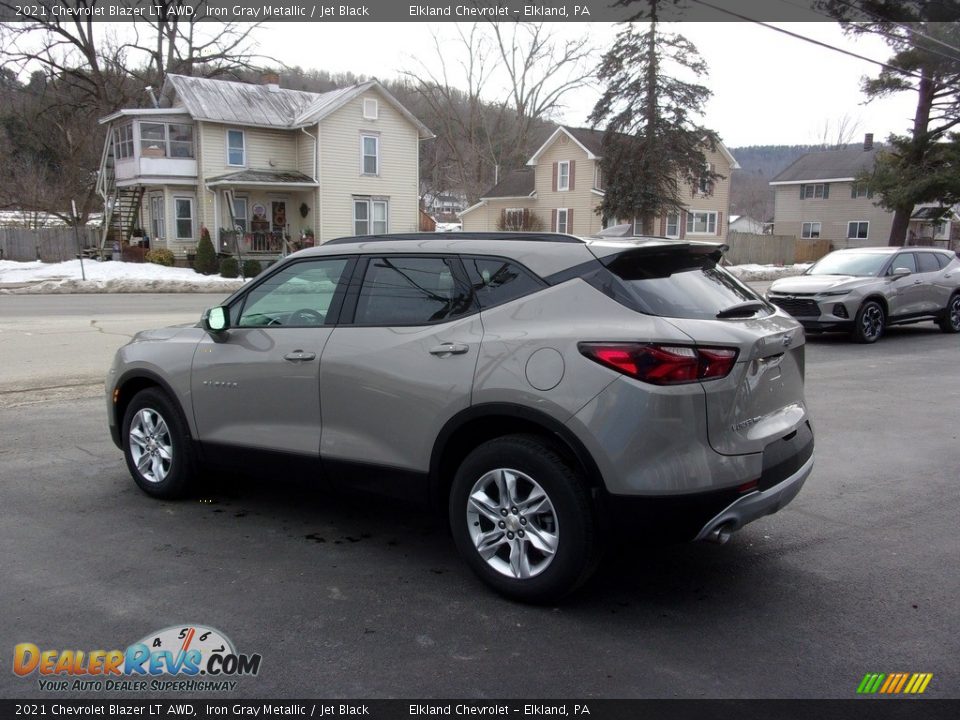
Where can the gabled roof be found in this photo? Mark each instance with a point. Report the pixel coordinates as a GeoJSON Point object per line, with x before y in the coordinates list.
{"type": "Point", "coordinates": [590, 141]}
{"type": "Point", "coordinates": [835, 165]}
{"type": "Point", "coordinates": [515, 184]}
{"type": "Point", "coordinates": [248, 104]}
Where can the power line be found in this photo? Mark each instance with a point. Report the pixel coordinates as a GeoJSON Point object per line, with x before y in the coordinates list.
{"type": "Point", "coordinates": [806, 39]}
{"type": "Point", "coordinates": [903, 26]}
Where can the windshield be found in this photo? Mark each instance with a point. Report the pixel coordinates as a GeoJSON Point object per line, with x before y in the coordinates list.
{"type": "Point", "coordinates": [850, 264]}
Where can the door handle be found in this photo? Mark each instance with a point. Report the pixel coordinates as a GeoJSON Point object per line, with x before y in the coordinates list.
{"type": "Point", "coordinates": [299, 356]}
{"type": "Point", "coordinates": [449, 349]}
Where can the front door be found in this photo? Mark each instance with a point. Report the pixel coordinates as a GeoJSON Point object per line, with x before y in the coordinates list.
{"type": "Point", "coordinates": [258, 387]}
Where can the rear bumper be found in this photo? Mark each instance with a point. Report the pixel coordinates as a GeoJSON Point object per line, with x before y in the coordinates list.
{"type": "Point", "coordinates": [757, 504]}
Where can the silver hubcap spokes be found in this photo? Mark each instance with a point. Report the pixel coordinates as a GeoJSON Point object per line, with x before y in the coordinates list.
{"type": "Point", "coordinates": [872, 322]}
{"type": "Point", "coordinates": [955, 313]}
{"type": "Point", "coordinates": [512, 523]}
{"type": "Point", "coordinates": [150, 445]}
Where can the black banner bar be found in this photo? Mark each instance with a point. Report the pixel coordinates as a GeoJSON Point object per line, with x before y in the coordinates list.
{"type": "Point", "coordinates": [438, 10]}
{"type": "Point", "coordinates": [862, 709]}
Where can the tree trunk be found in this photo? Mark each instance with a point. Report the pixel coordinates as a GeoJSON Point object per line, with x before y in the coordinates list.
{"type": "Point", "coordinates": [921, 123]}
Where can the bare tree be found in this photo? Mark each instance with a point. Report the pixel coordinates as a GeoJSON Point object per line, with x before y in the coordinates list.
{"type": "Point", "coordinates": [837, 133]}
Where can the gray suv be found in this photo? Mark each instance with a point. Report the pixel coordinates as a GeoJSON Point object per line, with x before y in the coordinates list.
{"type": "Point", "coordinates": [548, 392]}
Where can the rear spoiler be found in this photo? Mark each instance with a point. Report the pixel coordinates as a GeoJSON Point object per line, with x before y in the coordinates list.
{"type": "Point", "coordinates": [609, 254]}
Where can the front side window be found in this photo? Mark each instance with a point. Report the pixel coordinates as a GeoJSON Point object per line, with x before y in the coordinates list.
{"type": "Point", "coordinates": [370, 154]}
{"type": "Point", "coordinates": [297, 296]}
{"type": "Point", "coordinates": [903, 260]}
{"type": "Point", "coordinates": [563, 175]}
{"type": "Point", "coordinates": [157, 209]}
{"type": "Point", "coordinates": [810, 230]}
{"type": "Point", "coordinates": [183, 210]}
{"type": "Point", "coordinates": [857, 230]}
{"type": "Point", "coordinates": [701, 223]}
{"type": "Point", "coordinates": [236, 148]}
{"type": "Point", "coordinates": [410, 291]}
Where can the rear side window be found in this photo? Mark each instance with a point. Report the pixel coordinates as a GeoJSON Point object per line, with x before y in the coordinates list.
{"type": "Point", "coordinates": [926, 262]}
{"type": "Point", "coordinates": [681, 284]}
{"type": "Point", "coordinates": [496, 281]}
{"type": "Point", "coordinates": [410, 291]}
{"type": "Point", "coordinates": [942, 260]}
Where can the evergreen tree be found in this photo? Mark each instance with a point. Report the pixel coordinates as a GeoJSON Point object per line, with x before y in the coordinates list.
{"type": "Point", "coordinates": [922, 166]}
{"type": "Point", "coordinates": [206, 261]}
{"type": "Point", "coordinates": [653, 143]}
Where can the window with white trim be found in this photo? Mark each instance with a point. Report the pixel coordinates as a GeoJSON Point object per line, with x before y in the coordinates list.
{"type": "Point", "coordinates": [705, 183]}
{"type": "Point", "coordinates": [702, 223]}
{"type": "Point", "coordinates": [810, 230]}
{"type": "Point", "coordinates": [371, 110]}
{"type": "Point", "coordinates": [240, 205]}
{"type": "Point", "coordinates": [563, 220]}
{"type": "Point", "coordinates": [157, 210]}
{"type": "Point", "coordinates": [167, 140]}
{"type": "Point", "coordinates": [858, 230]}
{"type": "Point", "coordinates": [236, 148]}
{"type": "Point", "coordinates": [183, 215]}
{"type": "Point", "coordinates": [815, 191]}
{"type": "Point", "coordinates": [859, 190]}
{"type": "Point", "coordinates": [123, 142]}
{"type": "Point", "coordinates": [563, 175]}
{"type": "Point", "coordinates": [673, 225]}
{"type": "Point", "coordinates": [370, 216]}
{"type": "Point", "coordinates": [513, 218]}
{"type": "Point", "coordinates": [369, 155]}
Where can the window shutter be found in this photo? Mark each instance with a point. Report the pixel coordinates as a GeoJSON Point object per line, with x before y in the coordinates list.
{"type": "Point", "coordinates": [663, 226]}
{"type": "Point", "coordinates": [826, 190]}
{"type": "Point", "coordinates": [683, 224]}
{"type": "Point", "coordinates": [553, 213]}
{"type": "Point", "coordinates": [719, 223]}
{"type": "Point", "coordinates": [570, 211]}
{"type": "Point", "coordinates": [555, 165]}
{"type": "Point", "coordinates": [573, 167]}
{"type": "Point", "coordinates": [525, 215]}
{"type": "Point", "coordinates": [503, 218]}
{"type": "Point", "coordinates": [802, 187]}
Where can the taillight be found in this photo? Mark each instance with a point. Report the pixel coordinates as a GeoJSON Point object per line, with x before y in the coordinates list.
{"type": "Point", "coordinates": [662, 364]}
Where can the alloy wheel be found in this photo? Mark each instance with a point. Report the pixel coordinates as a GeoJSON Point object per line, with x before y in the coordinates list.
{"type": "Point", "coordinates": [872, 322]}
{"type": "Point", "coordinates": [150, 445]}
{"type": "Point", "coordinates": [512, 523]}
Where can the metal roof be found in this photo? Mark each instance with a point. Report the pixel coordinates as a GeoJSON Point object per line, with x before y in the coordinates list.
{"type": "Point", "coordinates": [262, 177]}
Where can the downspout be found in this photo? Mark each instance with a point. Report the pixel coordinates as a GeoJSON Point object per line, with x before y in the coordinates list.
{"type": "Point", "coordinates": [316, 179]}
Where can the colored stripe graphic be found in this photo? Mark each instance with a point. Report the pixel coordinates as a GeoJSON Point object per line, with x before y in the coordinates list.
{"type": "Point", "coordinates": [894, 683]}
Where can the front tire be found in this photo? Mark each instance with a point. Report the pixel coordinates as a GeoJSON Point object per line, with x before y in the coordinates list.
{"type": "Point", "coordinates": [950, 322]}
{"type": "Point", "coordinates": [870, 322]}
{"type": "Point", "coordinates": [522, 519]}
{"type": "Point", "coordinates": [157, 445]}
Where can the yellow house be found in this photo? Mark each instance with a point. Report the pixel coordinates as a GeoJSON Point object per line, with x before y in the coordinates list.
{"type": "Point", "coordinates": [264, 169]}
{"type": "Point", "coordinates": [562, 187]}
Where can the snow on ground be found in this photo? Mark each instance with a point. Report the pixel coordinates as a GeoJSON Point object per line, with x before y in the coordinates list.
{"type": "Point", "coordinates": [124, 277]}
{"type": "Point", "coordinates": [106, 277]}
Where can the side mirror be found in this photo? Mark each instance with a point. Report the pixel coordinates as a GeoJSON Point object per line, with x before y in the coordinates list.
{"type": "Point", "coordinates": [900, 272]}
{"type": "Point", "coordinates": [216, 320]}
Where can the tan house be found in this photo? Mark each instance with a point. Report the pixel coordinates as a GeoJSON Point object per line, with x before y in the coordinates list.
{"type": "Point", "coordinates": [818, 197]}
{"type": "Point", "coordinates": [266, 170]}
{"type": "Point", "coordinates": [562, 187]}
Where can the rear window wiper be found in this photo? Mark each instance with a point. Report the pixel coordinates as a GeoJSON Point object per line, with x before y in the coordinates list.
{"type": "Point", "coordinates": [744, 309]}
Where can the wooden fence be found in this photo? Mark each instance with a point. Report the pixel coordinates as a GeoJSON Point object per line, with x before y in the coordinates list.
{"type": "Point", "coordinates": [773, 249]}
{"type": "Point", "coordinates": [54, 244]}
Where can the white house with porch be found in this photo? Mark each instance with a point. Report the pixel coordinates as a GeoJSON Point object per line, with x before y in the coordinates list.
{"type": "Point", "coordinates": [265, 169]}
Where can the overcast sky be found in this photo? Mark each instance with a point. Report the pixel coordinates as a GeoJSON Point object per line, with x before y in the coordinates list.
{"type": "Point", "coordinates": [768, 88]}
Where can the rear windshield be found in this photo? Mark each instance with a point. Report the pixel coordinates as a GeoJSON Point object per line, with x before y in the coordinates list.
{"type": "Point", "coordinates": [683, 285]}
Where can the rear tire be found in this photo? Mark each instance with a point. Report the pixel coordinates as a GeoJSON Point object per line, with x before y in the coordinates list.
{"type": "Point", "coordinates": [157, 445]}
{"type": "Point", "coordinates": [870, 322]}
{"type": "Point", "coordinates": [950, 322]}
{"type": "Point", "coordinates": [522, 519]}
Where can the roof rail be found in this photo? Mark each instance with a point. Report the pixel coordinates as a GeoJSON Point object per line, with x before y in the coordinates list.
{"type": "Point", "coordinates": [522, 236]}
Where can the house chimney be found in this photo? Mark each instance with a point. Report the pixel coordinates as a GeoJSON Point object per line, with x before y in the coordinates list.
{"type": "Point", "coordinates": [271, 79]}
{"type": "Point", "coordinates": [868, 141]}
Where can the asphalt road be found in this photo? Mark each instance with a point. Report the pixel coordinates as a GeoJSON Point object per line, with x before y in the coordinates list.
{"type": "Point", "coordinates": [351, 597]}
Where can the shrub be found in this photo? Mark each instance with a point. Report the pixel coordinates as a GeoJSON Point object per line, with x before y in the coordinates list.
{"type": "Point", "coordinates": [206, 261]}
{"type": "Point", "coordinates": [251, 268]}
{"type": "Point", "coordinates": [229, 267]}
{"type": "Point", "coordinates": [160, 256]}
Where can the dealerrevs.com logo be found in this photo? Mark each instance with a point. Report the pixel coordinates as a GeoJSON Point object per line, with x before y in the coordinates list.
{"type": "Point", "coordinates": [185, 658]}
